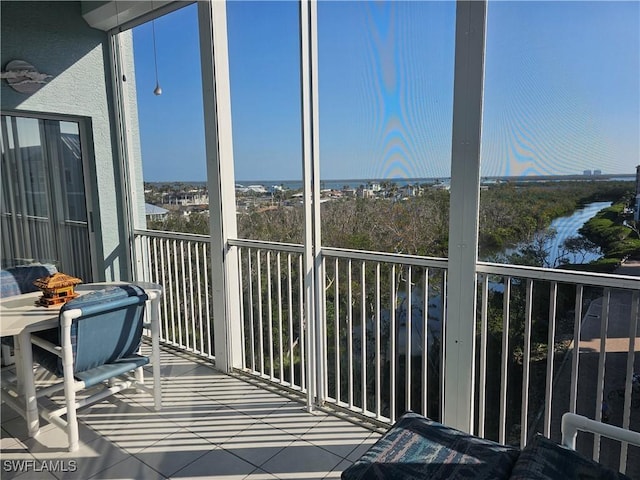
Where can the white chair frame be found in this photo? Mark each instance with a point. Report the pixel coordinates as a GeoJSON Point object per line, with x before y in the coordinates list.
{"type": "Point", "coordinates": [71, 386]}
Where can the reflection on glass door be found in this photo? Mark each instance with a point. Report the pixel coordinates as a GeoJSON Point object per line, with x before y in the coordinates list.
{"type": "Point", "coordinates": [44, 208]}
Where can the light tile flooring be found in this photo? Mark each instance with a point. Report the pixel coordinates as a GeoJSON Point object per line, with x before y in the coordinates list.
{"type": "Point", "coordinates": [212, 426]}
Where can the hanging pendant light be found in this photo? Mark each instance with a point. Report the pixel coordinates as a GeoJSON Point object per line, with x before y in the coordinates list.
{"type": "Point", "coordinates": [158, 90]}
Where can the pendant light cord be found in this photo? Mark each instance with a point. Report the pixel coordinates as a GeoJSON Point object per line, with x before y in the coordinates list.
{"type": "Point", "coordinates": [158, 89]}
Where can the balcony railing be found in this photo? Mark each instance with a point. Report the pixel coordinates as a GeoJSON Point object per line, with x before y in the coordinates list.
{"type": "Point", "coordinates": [273, 330]}
{"type": "Point", "coordinates": [547, 341]}
{"type": "Point", "coordinates": [380, 310]}
{"type": "Point", "coordinates": [566, 343]}
{"type": "Point", "coordinates": [181, 264]}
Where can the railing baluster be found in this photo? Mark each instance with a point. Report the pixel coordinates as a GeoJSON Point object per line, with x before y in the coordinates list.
{"type": "Point", "coordinates": [484, 302]}
{"type": "Point", "coordinates": [324, 338]}
{"type": "Point", "coordinates": [392, 336]}
{"type": "Point", "coordinates": [290, 310]}
{"type": "Point", "coordinates": [337, 321]}
{"type": "Point", "coordinates": [363, 329]}
{"type": "Point", "coordinates": [269, 315]}
{"type": "Point", "coordinates": [377, 352]}
{"type": "Point", "coordinates": [251, 323]}
{"type": "Point", "coordinates": [242, 327]}
{"type": "Point", "coordinates": [502, 436]}
{"type": "Point", "coordinates": [526, 363]}
{"type": "Point", "coordinates": [350, 333]}
{"type": "Point", "coordinates": [199, 283]}
{"type": "Point", "coordinates": [303, 353]}
{"type": "Point", "coordinates": [548, 396]}
{"type": "Point", "coordinates": [209, 319]}
{"type": "Point", "coordinates": [443, 343]}
{"type": "Point", "coordinates": [170, 294]}
{"type": "Point", "coordinates": [425, 343]}
{"type": "Point", "coordinates": [178, 310]}
{"type": "Point", "coordinates": [159, 267]}
{"type": "Point", "coordinates": [260, 324]}
{"type": "Point", "coordinates": [279, 290]}
{"type": "Point", "coordinates": [575, 358]}
{"type": "Point", "coordinates": [602, 357]}
{"type": "Point", "coordinates": [628, 388]}
{"type": "Point", "coordinates": [407, 353]}
{"type": "Point", "coordinates": [193, 313]}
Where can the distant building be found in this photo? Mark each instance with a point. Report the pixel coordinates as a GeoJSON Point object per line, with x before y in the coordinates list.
{"type": "Point", "coordinates": [597, 172]}
{"type": "Point", "coordinates": [441, 186]}
{"type": "Point", "coordinates": [410, 191]}
{"type": "Point", "coordinates": [587, 172]}
{"type": "Point", "coordinates": [153, 212]}
{"type": "Point", "coordinates": [259, 189]}
{"type": "Point", "coordinates": [192, 197]}
{"type": "Point", "coordinates": [364, 192]}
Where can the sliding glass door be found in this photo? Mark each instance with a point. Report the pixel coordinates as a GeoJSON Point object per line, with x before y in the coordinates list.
{"type": "Point", "coordinates": [44, 205]}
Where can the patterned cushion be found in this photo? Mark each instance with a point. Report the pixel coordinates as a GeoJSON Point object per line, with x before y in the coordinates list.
{"type": "Point", "coordinates": [543, 459]}
{"type": "Point", "coordinates": [17, 280]}
{"type": "Point", "coordinates": [419, 448]}
{"type": "Point", "coordinates": [8, 285]}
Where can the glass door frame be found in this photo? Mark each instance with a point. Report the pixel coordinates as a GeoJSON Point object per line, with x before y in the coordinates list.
{"type": "Point", "coordinates": [88, 173]}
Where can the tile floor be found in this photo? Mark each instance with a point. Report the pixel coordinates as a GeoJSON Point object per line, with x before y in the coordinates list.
{"type": "Point", "coordinates": [212, 426]}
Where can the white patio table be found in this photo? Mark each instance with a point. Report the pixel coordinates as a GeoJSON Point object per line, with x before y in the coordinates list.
{"type": "Point", "coordinates": [20, 317]}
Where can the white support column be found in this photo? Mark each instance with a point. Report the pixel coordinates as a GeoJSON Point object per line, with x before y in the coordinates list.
{"type": "Point", "coordinates": [314, 276]}
{"type": "Point", "coordinates": [212, 22]}
{"type": "Point", "coordinates": [131, 176]}
{"type": "Point", "coordinates": [122, 152]}
{"type": "Point", "coordinates": [463, 222]}
{"type": "Point", "coordinates": [321, 330]}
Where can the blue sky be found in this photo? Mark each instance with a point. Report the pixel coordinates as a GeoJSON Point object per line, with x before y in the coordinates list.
{"type": "Point", "coordinates": [562, 90]}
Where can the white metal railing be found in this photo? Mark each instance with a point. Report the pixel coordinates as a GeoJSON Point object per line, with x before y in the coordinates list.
{"type": "Point", "coordinates": [369, 328]}
{"type": "Point", "coordinates": [547, 342]}
{"type": "Point", "coordinates": [181, 264]}
{"type": "Point", "coordinates": [384, 325]}
{"type": "Point", "coordinates": [566, 343]}
{"type": "Point", "coordinates": [272, 303]}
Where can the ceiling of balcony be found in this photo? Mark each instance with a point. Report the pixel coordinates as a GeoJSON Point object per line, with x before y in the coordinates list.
{"type": "Point", "coordinates": [106, 15]}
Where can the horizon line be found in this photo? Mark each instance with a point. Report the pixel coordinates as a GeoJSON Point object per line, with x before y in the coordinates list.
{"type": "Point", "coordinates": [400, 179]}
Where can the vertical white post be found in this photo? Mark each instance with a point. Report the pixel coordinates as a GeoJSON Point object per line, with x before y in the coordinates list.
{"type": "Point", "coordinates": [463, 223]}
{"type": "Point", "coordinates": [314, 276]}
{"type": "Point", "coordinates": [122, 152]}
{"type": "Point", "coordinates": [216, 92]}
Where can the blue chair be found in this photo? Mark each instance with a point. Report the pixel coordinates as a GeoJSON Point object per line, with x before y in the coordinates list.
{"type": "Point", "coordinates": [98, 340]}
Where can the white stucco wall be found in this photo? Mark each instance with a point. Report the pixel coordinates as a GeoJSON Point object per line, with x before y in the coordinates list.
{"type": "Point", "coordinates": [54, 38]}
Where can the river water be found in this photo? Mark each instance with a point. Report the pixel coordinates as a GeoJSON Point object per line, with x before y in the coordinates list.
{"type": "Point", "coordinates": [568, 227]}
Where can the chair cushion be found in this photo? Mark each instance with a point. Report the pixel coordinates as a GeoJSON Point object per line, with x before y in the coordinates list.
{"type": "Point", "coordinates": [543, 459]}
{"type": "Point", "coordinates": [17, 280]}
{"type": "Point", "coordinates": [419, 448]}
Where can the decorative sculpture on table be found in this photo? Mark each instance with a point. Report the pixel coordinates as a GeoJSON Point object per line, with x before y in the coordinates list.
{"type": "Point", "coordinates": [56, 289]}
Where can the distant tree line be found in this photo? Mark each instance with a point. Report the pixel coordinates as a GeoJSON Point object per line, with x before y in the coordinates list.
{"type": "Point", "coordinates": [510, 214]}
